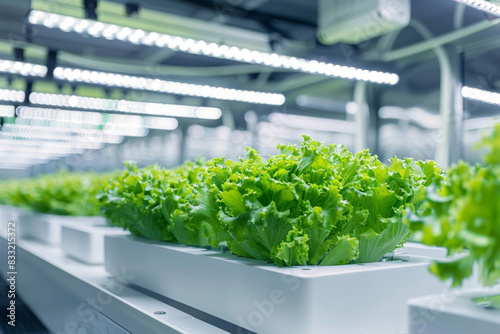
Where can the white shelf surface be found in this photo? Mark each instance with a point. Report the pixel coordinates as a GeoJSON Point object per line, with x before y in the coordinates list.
{"type": "Point", "coordinates": [64, 293]}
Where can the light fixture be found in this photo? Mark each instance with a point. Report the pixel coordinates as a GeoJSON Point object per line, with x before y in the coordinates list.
{"type": "Point", "coordinates": [59, 117]}
{"type": "Point", "coordinates": [84, 143]}
{"type": "Point", "coordinates": [14, 165]}
{"type": "Point", "coordinates": [481, 95]}
{"type": "Point", "coordinates": [44, 146]}
{"type": "Point", "coordinates": [77, 120]}
{"type": "Point", "coordinates": [11, 95]}
{"type": "Point", "coordinates": [163, 86]}
{"type": "Point", "coordinates": [7, 111]}
{"type": "Point", "coordinates": [200, 47]}
{"type": "Point", "coordinates": [26, 162]}
{"type": "Point", "coordinates": [485, 6]}
{"type": "Point", "coordinates": [147, 108]}
{"type": "Point", "coordinates": [22, 68]}
{"type": "Point", "coordinates": [312, 123]}
{"type": "Point", "coordinates": [58, 133]}
{"type": "Point", "coordinates": [160, 123]}
{"type": "Point", "coordinates": [20, 154]}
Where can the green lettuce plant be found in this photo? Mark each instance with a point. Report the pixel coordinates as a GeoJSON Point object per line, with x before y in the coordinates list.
{"type": "Point", "coordinates": [62, 193]}
{"type": "Point", "coordinates": [464, 214]}
{"type": "Point", "coordinates": [314, 204]}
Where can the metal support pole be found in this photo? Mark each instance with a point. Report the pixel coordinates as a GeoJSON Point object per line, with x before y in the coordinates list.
{"type": "Point", "coordinates": [457, 121]}
{"type": "Point", "coordinates": [183, 145]}
{"type": "Point", "coordinates": [361, 117]}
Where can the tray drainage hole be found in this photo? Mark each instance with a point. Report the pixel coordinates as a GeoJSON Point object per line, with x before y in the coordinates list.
{"type": "Point", "coordinates": [160, 312]}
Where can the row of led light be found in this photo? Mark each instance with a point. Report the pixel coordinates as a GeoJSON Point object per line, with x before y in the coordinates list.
{"type": "Point", "coordinates": [85, 120]}
{"type": "Point", "coordinates": [82, 102]}
{"type": "Point", "coordinates": [148, 108]}
{"type": "Point", "coordinates": [67, 125]}
{"type": "Point", "coordinates": [200, 47]}
{"type": "Point", "coordinates": [110, 132]}
{"type": "Point", "coordinates": [22, 68]}
{"type": "Point", "coordinates": [32, 152]}
{"type": "Point", "coordinates": [60, 133]}
{"type": "Point", "coordinates": [81, 129]}
{"type": "Point", "coordinates": [21, 163]}
{"type": "Point", "coordinates": [481, 95]}
{"type": "Point", "coordinates": [11, 95]}
{"type": "Point", "coordinates": [38, 151]}
{"type": "Point", "coordinates": [7, 111]}
{"type": "Point", "coordinates": [485, 6]}
{"type": "Point", "coordinates": [85, 142]}
{"type": "Point", "coordinates": [30, 145]}
{"type": "Point", "coordinates": [163, 86]}
{"type": "Point", "coordinates": [24, 153]}
{"type": "Point", "coordinates": [41, 148]}
{"type": "Point", "coordinates": [142, 83]}
{"type": "Point", "coordinates": [58, 117]}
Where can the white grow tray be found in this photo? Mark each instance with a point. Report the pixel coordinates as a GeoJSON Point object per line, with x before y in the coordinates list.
{"type": "Point", "coordinates": [48, 228]}
{"type": "Point", "coordinates": [453, 312]}
{"type": "Point", "coordinates": [86, 242]}
{"type": "Point", "coordinates": [10, 214]}
{"type": "Point", "coordinates": [263, 298]}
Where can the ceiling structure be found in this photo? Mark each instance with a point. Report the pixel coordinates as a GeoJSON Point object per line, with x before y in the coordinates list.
{"type": "Point", "coordinates": [285, 27]}
{"type": "Point", "coordinates": [288, 27]}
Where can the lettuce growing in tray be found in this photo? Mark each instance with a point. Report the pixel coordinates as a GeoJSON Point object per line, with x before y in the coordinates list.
{"type": "Point", "coordinates": [464, 214]}
{"type": "Point", "coordinates": [62, 193]}
{"type": "Point", "coordinates": [151, 202]}
{"type": "Point", "coordinates": [312, 204]}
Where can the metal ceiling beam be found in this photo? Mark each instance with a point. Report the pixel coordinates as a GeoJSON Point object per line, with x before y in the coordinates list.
{"type": "Point", "coordinates": [435, 42]}
{"type": "Point", "coordinates": [253, 4]}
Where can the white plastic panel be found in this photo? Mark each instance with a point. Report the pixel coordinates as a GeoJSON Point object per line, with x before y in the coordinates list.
{"type": "Point", "coordinates": [360, 298]}
{"type": "Point", "coordinates": [86, 242]}
{"type": "Point", "coordinates": [48, 228]}
{"type": "Point", "coordinates": [452, 311]}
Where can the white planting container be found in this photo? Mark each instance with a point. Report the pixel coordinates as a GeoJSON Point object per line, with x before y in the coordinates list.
{"type": "Point", "coordinates": [10, 214]}
{"type": "Point", "coordinates": [48, 228]}
{"type": "Point", "coordinates": [86, 242]}
{"type": "Point", "coordinates": [453, 311]}
{"type": "Point", "coordinates": [359, 298]}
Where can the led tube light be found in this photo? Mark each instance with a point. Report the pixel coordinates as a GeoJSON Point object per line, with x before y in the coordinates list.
{"type": "Point", "coordinates": [163, 86]}
{"type": "Point", "coordinates": [147, 108]}
{"type": "Point", "coordinates": [23, 162]}
{"type": "Point", "coordinates": [482, 5]}
{"type": "Point", "coordinates": [481, 95]}
{"type": "Point", "coordinates": [7, 111]}
{"type": "Point", "coordinates": [142, 83]}
{"type": "Point", "coordinates": [11, 95]}
{"type": "Point", "coordinates": [57, 133]}
{"type": "Point", "coordinates": [22, 68]}
{"type": "Point", "coordinates": [84, 143]}
{"type": "Point", "coordinates": [42, 147]}
{"type": "Point", "coordinates": [200, 47]}
{"type": "Point", "coordinates": [19, 154]}
{"type": "Point", "coordinates": [71, 119]}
